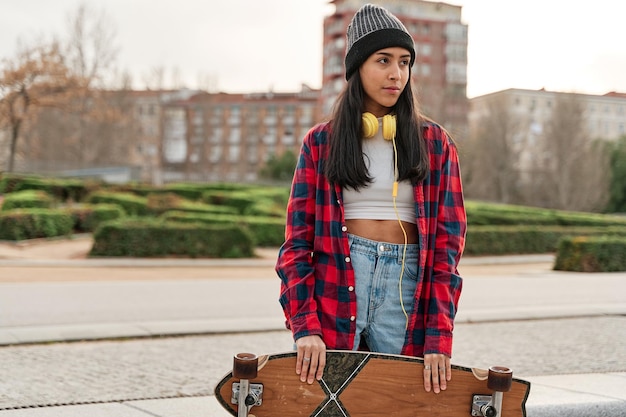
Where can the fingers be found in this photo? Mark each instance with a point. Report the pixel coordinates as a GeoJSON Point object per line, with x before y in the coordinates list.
{"type": "Point", "coordinates": [310, 358]}
{"type": "Point", "coordinates": [437, 372]}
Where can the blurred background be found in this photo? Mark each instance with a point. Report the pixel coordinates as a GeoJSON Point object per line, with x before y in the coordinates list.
{"type": "Point", "coordinates": [162, 91]}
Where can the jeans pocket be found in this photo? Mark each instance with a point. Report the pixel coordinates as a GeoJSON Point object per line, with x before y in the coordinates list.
{"type": "Point", "coordinates": [411, 268]}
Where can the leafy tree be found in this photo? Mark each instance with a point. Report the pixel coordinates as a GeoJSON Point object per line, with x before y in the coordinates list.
{"type": "Point", "coordinates": [280, 167]}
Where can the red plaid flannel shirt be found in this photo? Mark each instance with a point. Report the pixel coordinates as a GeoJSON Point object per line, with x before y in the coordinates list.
{"type": "Point", "coordinates": [317, 279]}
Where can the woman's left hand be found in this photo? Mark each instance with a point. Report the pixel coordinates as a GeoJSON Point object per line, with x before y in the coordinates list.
{"type": "Point", "coordinates": [437, 372]}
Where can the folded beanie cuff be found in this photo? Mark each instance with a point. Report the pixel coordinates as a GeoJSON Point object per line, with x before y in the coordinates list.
{"type": "Point", "coordinates": [375, 41]}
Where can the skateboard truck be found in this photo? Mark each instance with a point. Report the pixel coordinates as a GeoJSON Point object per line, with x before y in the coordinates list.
{"type": "Point", "coordinates": [499, 380]}
{"type": "Point", "coordinates": [245, 394]}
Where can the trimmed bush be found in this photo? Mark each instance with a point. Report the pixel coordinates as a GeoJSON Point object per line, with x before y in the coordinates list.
{"type": "Point", "coordinates": [240, 200]}
{"type": "Point", "coordinates": [33, 223]}
{"type": "Point", "coordinates": [505, 240]}
{"type": "Point", "coordinates": [490, 214]}
{"type": "Point", "coordinates": [132, 205]}
{"type": "Point", "coordinates": [267, 231]}
{"type": "Point", "coordinates": [161, 203]}
{"type": "Point", "coordinates": [27, 199]}
{"type": "Point", "coordinates": [591, 254]}
{"type": "Point", "coordinates": [202, 208]}
{"type": "Point", "coordinates": [158, 238]}
{"type": "Point", "coordinates": [266, 208]}
{"type": "Point", "coordinates": [87, 217]}
{"type": "Point", "coordinates": [191, 192]}
{"type": "Point", "coordinates": [63, 189]}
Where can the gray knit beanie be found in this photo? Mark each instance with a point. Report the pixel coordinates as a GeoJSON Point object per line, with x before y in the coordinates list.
{"type": "Point", "coordinates": [374, 28]}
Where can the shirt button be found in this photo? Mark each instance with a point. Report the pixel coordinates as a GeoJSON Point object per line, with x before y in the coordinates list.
{"type": "Point", "coordinates": [348, 259]}
{"type": "Point", "coordinates": [344, 228]}
{"type": "Point", "coordinates": [352, 318]}
{"type": "Point", "coordinates": [350, 288]}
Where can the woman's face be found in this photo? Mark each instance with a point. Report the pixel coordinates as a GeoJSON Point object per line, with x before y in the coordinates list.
{"type": "Point", "coordinates": [384, 75]}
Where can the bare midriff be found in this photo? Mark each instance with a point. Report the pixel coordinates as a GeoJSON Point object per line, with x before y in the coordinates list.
{"type": "Point", "coordinates": [382, 230]}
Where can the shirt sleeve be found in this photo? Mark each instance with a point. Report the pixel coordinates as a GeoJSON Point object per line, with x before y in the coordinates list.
{"type": "Point", "coordinates": [295, 265]}
{"type": "Point", "coordinates": [451, 227]}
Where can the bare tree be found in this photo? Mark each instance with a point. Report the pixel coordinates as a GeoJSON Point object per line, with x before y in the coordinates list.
{"type": "Point", "coordinates": [155, 79]}
{"type": "Point", "coordinates": [38, 77]}
{"type": "Point", "coordinates": [91, 126]}
{"type": "Point", "coordinates": [490, 157]}
{"type": "Point", "coordinates": [91, 53]}
{"type": "Point", "coordinates": [570, 168]}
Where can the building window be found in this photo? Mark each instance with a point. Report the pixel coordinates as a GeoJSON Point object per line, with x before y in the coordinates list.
{"type": "Point", "coordinates": [235, 135]}
{"type": "Point", "coordinates": [216, 137]}
{"type": "Point", "coordinates": [215, 154]}
{"type": "Point", "coordinates": [306, 115]}
{"type": "Point", "coordinates": [233, 153]}
{"type": "Point", "coordinates": [252, 154]}
{"type": "Point", "coordinates": [270, 115]}
{"type": "Point", "coordinates": [270, 136]}
{"type": "Point", "coordinates": [289, 138]}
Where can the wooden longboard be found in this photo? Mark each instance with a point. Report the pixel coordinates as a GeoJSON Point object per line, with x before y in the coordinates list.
{"type": "Point", "coordinates": [364, 384]}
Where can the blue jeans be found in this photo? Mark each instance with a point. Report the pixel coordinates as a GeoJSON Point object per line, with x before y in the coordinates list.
{"type": "Point", "coordinates": [380, 320]}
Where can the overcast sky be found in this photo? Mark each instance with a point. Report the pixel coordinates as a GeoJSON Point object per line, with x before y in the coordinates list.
{"type": "Point", "coordinates": [257, 45]}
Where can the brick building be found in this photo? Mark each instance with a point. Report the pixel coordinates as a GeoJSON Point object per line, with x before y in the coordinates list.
{"type": "Point", "coordinates": [229, 137]}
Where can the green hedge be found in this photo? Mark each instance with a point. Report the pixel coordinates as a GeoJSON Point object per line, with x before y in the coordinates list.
{"type": "Point", "coordinates": [240, 200]}
{"type": "Point", "coordinates": [27, 199]}
{"type": "Point", "coordinates": [591, 254]}
{"type": "Point", "coordinates": [88, 217]}
{"type": "Point", "coordinates": [132, 205]}
{"type": "Point", "coordinates": [63, 189]}
{"type": "Point", "coordinates": [505, 240]}
{"type": "Point", "coordinates": [188, 191]}
{"type": "Point", "coordinates": [267, 231]}
{"type": "Point", "coordinates": [490, 214]}
{"type": "Point", "coordinates": [158, 238]}
{"type": "Point", "coordinates": [158, 204]}
{"type": "Point", "coordinates": [33, 223]}
{"type": "Point", "coordinates": [246, 200]}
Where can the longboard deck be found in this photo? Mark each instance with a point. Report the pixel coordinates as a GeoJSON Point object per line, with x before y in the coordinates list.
{"type": "Point", "coordinates": [364, 384]}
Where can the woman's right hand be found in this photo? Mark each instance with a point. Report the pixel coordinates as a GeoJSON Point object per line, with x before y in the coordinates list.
{"type": "Point", "coordinates": [311, 358]}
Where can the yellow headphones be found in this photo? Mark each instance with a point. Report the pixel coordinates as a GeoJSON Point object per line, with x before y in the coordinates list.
{"type": "Point", "coordinates": [370, 126]}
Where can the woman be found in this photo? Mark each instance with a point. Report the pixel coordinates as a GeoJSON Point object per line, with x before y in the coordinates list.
{"type": "Point", "coordinates": [375, 226]}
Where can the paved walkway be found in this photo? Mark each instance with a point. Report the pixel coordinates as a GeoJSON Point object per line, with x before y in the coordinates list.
{"type": "Point", "coordinates": [152, 337]}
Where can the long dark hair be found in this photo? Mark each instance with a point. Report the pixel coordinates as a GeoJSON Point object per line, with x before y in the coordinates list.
{"type": "Point", "coordinates": [345, 165]}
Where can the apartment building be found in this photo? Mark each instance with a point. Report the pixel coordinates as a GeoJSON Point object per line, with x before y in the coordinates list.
{"type": "Point", "coordinates": [605, 115]}
{"type": "Point", "coordinates": [229, 137]}
{"type": "Point", "coordinates": [440, 70]}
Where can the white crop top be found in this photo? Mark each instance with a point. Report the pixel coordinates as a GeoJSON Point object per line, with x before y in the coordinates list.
{"type": "Point", "coordinates": [376, 200]}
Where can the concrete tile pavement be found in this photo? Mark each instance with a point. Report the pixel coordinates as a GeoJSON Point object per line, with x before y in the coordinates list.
{"type": "Point", "coordinates": [596, 394]}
